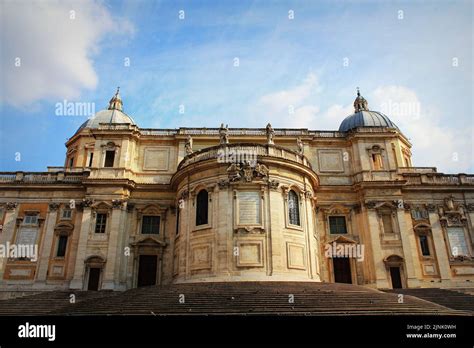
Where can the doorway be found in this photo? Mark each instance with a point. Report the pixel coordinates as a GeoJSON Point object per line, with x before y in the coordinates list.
{"type": "Point", "coordinates": [94, 279]}
{"type": "Point", "coordinates": [396, 277]}
{"type": "Point", "coordinates": [147, 267]}
{"type": "Point", "coordinates": [342, 270]}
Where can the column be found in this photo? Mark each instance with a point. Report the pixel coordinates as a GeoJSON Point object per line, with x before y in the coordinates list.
{"type": "Point", "coordinates": [46, 244]}
{"type": "Point", "coordinates": [381, 279]}
{"type": "Point", "coordinates": [113, 254]}
{"type": "Point", "coordinates": [78, 279]}
{"type": "Point", "coordinates": [440, 246]}
{"type": "Point", "coordinates": [8, 231]}
{"type": "Point", "coordinates": [410, 252]}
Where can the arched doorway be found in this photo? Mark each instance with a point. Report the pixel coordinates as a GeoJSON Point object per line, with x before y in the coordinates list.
{"type": "Point", "coordinates": [395, 269]}
{"type": "Point", "coordinates": [148, 260]}
{"type": "Point", "coordinates": [93, 275]}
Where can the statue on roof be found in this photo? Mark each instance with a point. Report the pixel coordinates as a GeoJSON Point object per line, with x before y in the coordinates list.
{"type": "Point", "coordinates": [299, 143]}
{"type": "Point", "coordinates": [270, 134]}
{"type": "Point", "coordinates": [188, 145]}
{"type": "Point", "coordinates": [224, 134]}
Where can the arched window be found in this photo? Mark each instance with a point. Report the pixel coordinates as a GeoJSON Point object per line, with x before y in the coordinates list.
{"type": "Point", "coordinates": [293, 208]}
{"type": "Point", "coordinates": [202, 208]}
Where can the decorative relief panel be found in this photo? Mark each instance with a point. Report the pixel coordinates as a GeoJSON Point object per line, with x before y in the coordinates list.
{"type": "Point", "coordinates": [330, 161]}
{"type": "Point", "coordinates": [296, 256]}
{"type": "Point", "coordinates": [201, 256]}
{"type": "Point", "coordinates": [156, 158]}
{"type": "Point", "coordinates": [250, 254]}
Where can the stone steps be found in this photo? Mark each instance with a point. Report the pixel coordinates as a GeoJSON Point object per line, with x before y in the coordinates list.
{"type": "Point", "coordinates": [456, 298]}
{"type": "Point", "coordinates": [233, 298]}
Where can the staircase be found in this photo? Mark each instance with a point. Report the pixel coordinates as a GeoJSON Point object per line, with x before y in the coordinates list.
{"type": "Point", "coordinates": [48, 301]}
{"type": "Point", "coordinates": [456, 298]}
{"type": "Point", "coordinates": [230, 298]}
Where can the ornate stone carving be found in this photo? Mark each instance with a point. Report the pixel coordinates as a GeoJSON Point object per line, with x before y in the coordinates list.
{"type": "Point", "coordinates": [53, 206]}
{"type": "Point", "coordinates": [308, 194]}
{"type": "Point", "coordinates": [184, 194]}
{"type": "Point", "coordinates": [431, 208]}
{"type": "Point", "coordinates": [234, 172]}
{"type": "Point", "coordinates": [117, 203]}
{"type": "Point", "coordinates": [261, 170]}
{"type": "Point", "coordinates": [223, 184]}
{"type": "Point", "coordinates": [270, 134]}
{"type": "Point", "coordinates": [249, 230]}
{"type": "Point", "coordinates": [452, 214]}
{"type": "Point", "coordinates": [470, 207]}
{"type": "Point", "coordinates": [86, 202]}
{"type": "Point", "coordinates": [188, 145]}
{"type": "Point", "coordinates": [246, 171]}
{"type": "Point", "coordinates": [370, 204]}
{"type": "Point", "coordinates": [273, 184]}
{"type": "Point", "coordinates": [11, 205]}
{"type": "Point", "coordinates": [224, 134]}
{"type": "Point", "coordinates": [356, 208]}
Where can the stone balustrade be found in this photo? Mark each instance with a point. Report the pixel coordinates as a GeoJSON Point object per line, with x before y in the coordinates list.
{"type": "Point", "coordinates": [42, 177]}
{"type": "Point", "coordinates": [246, 150]}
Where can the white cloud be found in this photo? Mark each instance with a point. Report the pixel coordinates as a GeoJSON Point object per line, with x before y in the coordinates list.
{"type": "Point", "coordinates": [292, 107]}
{"type": "Point", "coordinates": [55, 50]}
{"type": "Point", "coordinates": [434, 143]}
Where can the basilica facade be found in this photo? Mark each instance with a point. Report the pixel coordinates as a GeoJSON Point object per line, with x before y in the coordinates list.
{"type": "Point", "coordinates": [134, 207]}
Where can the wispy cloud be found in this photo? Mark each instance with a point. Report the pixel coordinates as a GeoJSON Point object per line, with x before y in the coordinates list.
{"type": "Point", "coordinates": [48, 48]}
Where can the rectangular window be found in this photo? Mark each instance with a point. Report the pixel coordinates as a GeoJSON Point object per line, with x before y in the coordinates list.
{"type": "Point", "coordinates": [425, 248]}
{"type": "Point", "coordinates": [457, 241]}
{"type": "Point", "coordinates": [109, 158]}
{"type": "Point", "coordinates": [100, 223]}
{"type": "Point", "coordinates": [62, 244]}
{"type": "Point", "coordinates": [91, 157]}
{"type": "Point", "coordinates": [337, 225]}
{"type": "Point", "coordinates": [71, 162]}
{"type": "Point", "coordinates": [419, 214]}
{"type": "Point", "coordinates": [150, 224]}
{"type": "Point", "coordinates": [30, 220]}
{"type": "Point", "coordinates": [67, 214]}
{"type": "Point", "coordinates": [387, 223]}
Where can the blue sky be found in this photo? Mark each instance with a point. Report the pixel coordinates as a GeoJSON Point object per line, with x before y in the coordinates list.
{"type": "Point", "coordinates": [410, 55]}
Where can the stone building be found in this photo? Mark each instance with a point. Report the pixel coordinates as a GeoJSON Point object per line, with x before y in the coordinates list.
{"type": "Point", "coordinates": [134, 207]}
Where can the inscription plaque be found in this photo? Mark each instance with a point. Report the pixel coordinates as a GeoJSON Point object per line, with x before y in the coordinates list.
{"type": "Point", "coordinates": [249, 208]}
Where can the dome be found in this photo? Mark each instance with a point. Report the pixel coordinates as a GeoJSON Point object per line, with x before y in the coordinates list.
{"type": "Point", "coordinates": [113, 114]}
{"type": "Point", "coordinates": [363, 117]}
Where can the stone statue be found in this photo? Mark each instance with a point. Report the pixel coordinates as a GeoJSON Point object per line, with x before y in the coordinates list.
{"type": "Point", "coordinates": [224, 134]}
{"type": "Point", "coordinates": [188, 145]}
{"type": "Point", "coordinates": [261, 170]}
{"type": "Point", "coordinates": [270, 134]}
{"type": "Point", "coordinates": [234, 172]}
{"type": "Point", "coordinates": [299, 143]}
